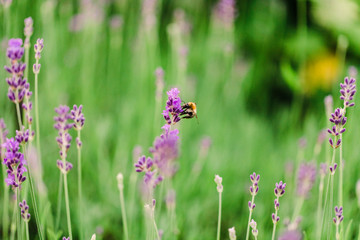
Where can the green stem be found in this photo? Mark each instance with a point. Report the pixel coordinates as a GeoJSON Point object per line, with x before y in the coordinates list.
{"type": "Point", "coordinates": [27, 230]}
{"type": "Point", "coordinates": [5, 223]}
{"type": "Point", "coordinates": [17, 212]}
{"type": "Point", "coordinates": [331, 191]}
{"type": "Point", "coordinates": [37, 116]}
{"type": "Point", "coordinates": [341, 175]}
{"type": "Point", "coordinates": [325, 205]}
{"type": "Point", "coordinates": [275, 223]}
{"type": "Point", "coordinates": [297, 209]}
{"type": "Point", "coordinates": [319, 208]}
{"type": "Point", "coordinates": [18, 112]}
{"type": "Point", "coordinates": [33, 198]}
{"type": "Point", "coordinates": [123, 213]}
{"type": "Point", "coordinates": [68, 217]}
{"type": "Point", "coordinates": [219, 218]}
{"type": "Point", "coordinates": [250, 213]}
{"type": "Point", "coordinates": [81, 230]}
{"type": "Point", "coordinates": [59, 202]}
{"type": "Point", "coordinates": [13, 222]}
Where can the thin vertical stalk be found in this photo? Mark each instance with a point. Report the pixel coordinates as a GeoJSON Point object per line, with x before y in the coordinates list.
{"type": "Point", "coordinates": [250, 213]}
{"type": "Point", "coordinates": [37, 115]}
{"type": "Point", "coordinates": [67, 205]}
{"type": "Point", "coordinates": [123, 213]}
{"type": "Point", "coordinates": [320, 208]}
{"type": "Point", "coordinates": [17, 212]}
{"type": "Point", "coordinates": [5, 221]}
{"type": "Point", "coordinates": [81, 230]}
{"type": "Point", "coordinates": [275, 223]}
{"type": "Point", "coordinates": [59, 202]}
{"type": "Point", "coordinates": [27, 230]}
{"type": "Point", "coordinates": [13, 222]}
{"type": "Point", "coordinates": [341, 175]}
{"type": "Point", "coordinates": [219, 218]}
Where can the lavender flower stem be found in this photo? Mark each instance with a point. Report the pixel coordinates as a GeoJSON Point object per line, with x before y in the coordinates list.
{"type": "Point", "coordinates": [68, 217]}
{"type": "Point", "coordinates": [27, 230]}
{"type": "Point", "coordinates": [33, 199]}
{"type": "Point", "coordinates": [37, 114]}
{"type": "Point", "coordinates": [5, 222]}
{"type": "Point", "coordinates": [59, 202]}
{"type": "Point", "coordinates": [13, 222]}
{"type": "Point", "coordinates": [123, 213]}
{"type": "Point", "coordinates": [325, 205]}
{"type": "Point", "coordinates": [319, 208]}
{"type": "Point", "coordinates": [341, 175]}
{"type": "Point", "coordinates": [298, 207]}
{"type": "Point", "coordinates": [80, 188]}
{"type": "Point", "coordinates": [275, 223]}
{"type": "Point", "coordinates": [331, 191]}
{"type": "Point", "coordinates": [18, 113]}
{"type": "Point", "coordinates": [250, 213]}
{"type": "Point", "coordinates": [219, 218]}
{"type": "Point", "coordinates": [17, 212]}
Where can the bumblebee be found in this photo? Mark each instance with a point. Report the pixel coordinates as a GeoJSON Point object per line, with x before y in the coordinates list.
{"type": "Point", "coordinates": [189, 110]}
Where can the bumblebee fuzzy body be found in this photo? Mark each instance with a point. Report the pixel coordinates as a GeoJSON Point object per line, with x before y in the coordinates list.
{"type": "Point", "coordinates": [189, 110]}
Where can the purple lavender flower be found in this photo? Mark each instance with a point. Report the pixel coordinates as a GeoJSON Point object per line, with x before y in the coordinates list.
{"type": "Point", "coordinates": [28, 31]}
{"type": "Point", "coordinates": [348, 90]}
{"type": "Point", "coordinates": [333, 169]}
{"type": "Point", "coordinates": [339, 120]}
{"type": "Point", "coordinates": [3, 134]}
{"type": "Point", "coordinates": [218, 181]}
{"type": "Point", "coordinates": [164, 151]}
{"type": "Point", "coordinates": [173, 107]}
{"type": "Point", "coordinates": [291, 234]}
{"type": "Point", "coordinates": [338, 215]}
{"type": "Point", "coordinates": [254, 188]}
{"type": "Point", "coordinates": [66, 238]}
{"type": "Point", "coordinates": [305, 179]}
{"type": "Point", "coordinates": [14, 161]}
{"type": "Point", "coordinates": [17, 85]}
{"type": "Point", "coordinates": [24, 211]}
{"type": "Point", "coordinates": [23, 136]}
{"type": "Point", "coordinates": [27, 105]}
{"type": "Point", "coordinates": [279, 189]}
{"type": "Point", "coordinates": [66, 169]}
{"type": "Point", "coordinates": [62, 125]}
{"type": "Point", "coordinates": [38, 47]}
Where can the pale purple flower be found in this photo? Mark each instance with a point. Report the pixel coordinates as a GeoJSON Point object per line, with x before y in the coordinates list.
{"type": "Point", "coordinates": [225, 12]}
{"type": "Point", "coordinates": [323, 169]}
{"type": "Point", "coordinates": [3, 134]}
{"type": "Point", "coordinates": [329, 105]}
{"type": "Point", "coordinates": [232, 233]}
{"type": "Point", "coordinates": [339, 120]}
{"type": "Point", "coordinates": [23, 136]}
{"type": "Point", "coordinates": [305, 179]}
{"type": "Point", "coordinates": [353, 72]}
{"type": "Point", "coordinates": [15, 51]}
{"type": "Point", "coordinates": [170, 199]}
{"type": "Point", "coordinates": [66, 169]}
{"type": "Point", "coordinates": [62, 125]}
{"type": "Point", "coordinates": [78, 117]}
{"type": "Point", "coordinates": [66, 238]}
{"type": "Point", "coordinates": [116, 21]}
{"type": "Point", "coordinates": [144, 164]}
{"type": "Point", "coordinates": [28, 31]}
{"type": "Point", "coordinates": [14, 161]}
{"type": "Point", "coordinates": [218, 181]}
{"type": "Point", "coordinates": [159, 83]}
{"type": "Point", "coordinates": [38, 47]}
{"type": "Point", "coordinates": [302, 143]}
{"type": "Point", "coordinates": [24, 211]}
{"type": "Point", "coordinates": [255, 178]}
{"type": "Point", "coordinates": [347, 91]}
{"type": "Point", "coordinates": [291, 235]}
{"type": "Point", "coordinates": [279, 189]}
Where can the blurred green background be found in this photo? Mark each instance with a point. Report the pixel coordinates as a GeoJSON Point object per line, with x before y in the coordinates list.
{"type": "Point", "coordinates": [259, 81]}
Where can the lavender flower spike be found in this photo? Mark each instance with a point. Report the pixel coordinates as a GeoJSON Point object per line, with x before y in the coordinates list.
{"type": "Point", "coordinates": [14, 161]}
{"type": "Point", "coordinates": [24, 211]}
{"type": "Point", "coordinates": [348, 90]}
{"type": "Point", "coordinates": [305, 179]}
{"type": "Point", "coordinates": [279, 192]}
{"type": "Point", "coordinates": [218, 181]}
{"type": "Point", "coordinates": [78, 117]}
{"type": "Point", "coordinates": [62, 125]}
{"type": "Point", "coordinates": [38, 47]}
{"type": "Point", "coordinates": [232, 233]}
{"type": "Point", "coordinates": [279, 189]}
{"type": "Point", "coordinates": [173, 107]}
{"type": "Point", "coordinates": [338, 215]}
{"type": "Point", "coordinates": [28, 31]}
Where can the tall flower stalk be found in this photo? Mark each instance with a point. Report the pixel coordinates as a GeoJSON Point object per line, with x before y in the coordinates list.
{"type": "Point", "coordinates": [38, 47]}
{"type": "Point", "coordinates": [219, 188]}
{"type": "Point", "coordinates": [79, 120]}
{"type": "Point", "coordinates": [28, 31]}
{"type": "Point", "coordinates": [5, 221]}
{"type": "Point", "coordinates": [25, 215]}
{"type": "Point", "coordinates": [63, 140]}
{"type": "Point", "coordinates": [120, 179]}
{"type": "Point", "coordinates": [254, 188]}
{"type": "Point", "coordinates": [279, 192]}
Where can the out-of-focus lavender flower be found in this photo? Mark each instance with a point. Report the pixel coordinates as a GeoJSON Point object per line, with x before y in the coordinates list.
{"type": "Point", "coordinates": [148, 12]}
{"type": "Point", "coordinates": [225, 12]}
{"type": "Point", "coordinates": [218, 181]}
{"type": "Point", "coordinates": [292, 234]}
{"type": "Point", "coordinates": [37, 170]}
{"type": "Point", "coordinates": [232, 233]}
{"type": "Point", "coordinates": [15, 51]}
{"type": "Point", "coordinates": [38, 47]}
{"type": "Point", "coordinates": [204, 146]}
{"type": "Point", "coordinates": [357, 189]}
{"type": "Point", "coordinates": [348, 90]}
{"type": "Point", "coordinates": [91, 14]}
{"type": "Point", "coordinates": [62, 125]}
{"type": "Point", "coordinates": [173, 107]}
{"type": "Point", "coordinates": [321, 137]}
{"type": "Point", "coordinates": [329, 105]}
{"type": "Point", "coordinates": [6, 3]}
{"type": "Point", "coordinates": [120, 180]}
{"type": "Point", "coordinates": [24, 211]}
{"type": "Point", "coordinates": [66, 238]}
{"type": "Point", "coordinates": [28, 31]}
{"type": "Point", "coordinates": [116, 21]}
{"type": "Point", "coordinates": [136, 153]}
{"type": "Point", "coordinates": [159, 83]}
{"type": "Point", "coordinates": [27, 105]}
{"type": "Point", "coordinates": [305, 179]}
{"type": "Point", "coordinates": [14, 161]}
{"type": "Point", "coordinates": [302, 143]}
{"type": "Point", "coordinates": [253, 189]}
{"type": "Point", "coordinates": [339, 119]}
{"type": "Point", "coordinates": [254, 230]}
{"type": "Point", "coordinates": [3, 134]}
{"type": "Point", "coordinates": [323, 169]}
{"type": "Point", "coordinates": [144, 164]}
{"type": "Point", "coordinates": [333, 169]}
{"type": "Point", "coordinates": [353, 72]}
{"type": "Point", "coordinates": [165, 150]}
{"type": "Point", "coordinates": [170, 199]}
{"type": "Point", "coordinates": [338, 215]}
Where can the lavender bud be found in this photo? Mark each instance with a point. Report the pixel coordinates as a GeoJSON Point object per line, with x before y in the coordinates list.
{"type": "Point", "coordinates": [120, 180]}
{"type": "Point", "coordinates": [24, 211]}
{"type": "Point", "coordinates": [232, 233]}
{"type": "Point", "coordinates": [333, 169]}
{"type": "Point", "coordinates": [218, 181]}
{"type": "Point", "coordinates": [338, 215]}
